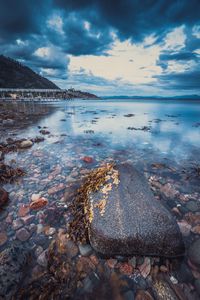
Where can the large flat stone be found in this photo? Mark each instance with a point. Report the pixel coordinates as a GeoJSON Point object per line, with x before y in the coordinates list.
{"type": "Point", "coordinates": [132, 222]}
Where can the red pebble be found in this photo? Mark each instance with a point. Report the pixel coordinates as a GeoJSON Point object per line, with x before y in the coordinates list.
{"type": "Point", "coordinates": [87, 159]}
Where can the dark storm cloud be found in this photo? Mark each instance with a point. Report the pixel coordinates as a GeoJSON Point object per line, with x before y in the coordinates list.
{"type": "Point", "coordinates": [179, 56]}
{"type": "Point", "coordinates": [25, 27]}
{"type": "Point", "coordinates": [21, 17]}
{"type": "Point", "coordinates": [135, 18]}
{"type": "Point", "coordinates": [189, 80]}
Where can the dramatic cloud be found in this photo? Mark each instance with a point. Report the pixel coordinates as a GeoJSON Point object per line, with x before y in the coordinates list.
{"type": "Point", "coordinates": [125, 46]}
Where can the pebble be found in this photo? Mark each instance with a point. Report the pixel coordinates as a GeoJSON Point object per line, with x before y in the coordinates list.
{"type": "Point", "coordinates": [3, 214]}
{"type": "Point", "coordinates": [23, 210]}
{"type": "Point", "coordinates": [40, 228]}
{"type": "Point", "coordinates": [84, 265]}
{"type": "Point", "coordinates": [194, 251]}
{"type": "Point", "coordinates": [145, 268]}
{"type": "Point", "coordinates": [196, 229]}
{"type": "Point", "coordinates": [71, 248]}
{"type": "Point", "coordinates": [184, 227]}
{"type": "Point", "coordinates": [126, 269]}
{"type": "Point", "coordinates": [193, 206]}
{"type": "Point", "coordinates": [26, 144]}
{"type": "Point", "coordinates": [87, 159]}
{"type": "Point", "coordinates": [85, 250]}
{"type": "Point", "coordinates": [173, 280]}
{"type": "Point", "coordinates": [22, 235]}
{"type": "Point", "coordinates": [17, 224]}
{"type": "Point", "coordinates": [28, 219]}
{"type": "Point", "coordinates": [163, 269]}
{"type": "Point", "coordinates": [3, 197]}
{"type": "Point", "coordinates": [35, 197]}
{"type": "Point", "coordinates": [42, 259]}
{"type": "Point", "coordinates": [111, 263]}
{"type": "Point", "coordinates": [50, 231]}
{"type": "Point", "coordinates": [38, 251]}
{"type": "Point", "coordinates": [169, 191]}
{"type": "Point", "coordinates": [3, 238]}
{"type": "Point", "coordinates": [57, 188]}
{"type": "Point", "coordinates": [39, 203]}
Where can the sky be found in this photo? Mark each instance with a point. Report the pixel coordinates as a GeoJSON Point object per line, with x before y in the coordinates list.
{"type": "Point", "coordinates": [107, 47]}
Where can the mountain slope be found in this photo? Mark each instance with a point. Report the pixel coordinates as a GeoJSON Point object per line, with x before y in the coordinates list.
{"type": "Point", "coordinates": [14, 75]}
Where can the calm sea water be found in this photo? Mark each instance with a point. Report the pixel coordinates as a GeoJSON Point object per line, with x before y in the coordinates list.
{"type": "Point", "coordinates": [172, 127]}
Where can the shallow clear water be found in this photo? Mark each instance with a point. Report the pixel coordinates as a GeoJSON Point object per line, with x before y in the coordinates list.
{"type": "Point", "coordinates": [142, 132]}
{"type": "Point", "coordinates": [172, 125]}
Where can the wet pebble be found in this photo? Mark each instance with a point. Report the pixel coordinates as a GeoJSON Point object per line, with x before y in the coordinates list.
{"type": "Point", "coordinates": [85, 250]}
{"type": "Point", "coordinates": [145, 268]}
{"type": "Point", "coordinates": [184, 227]}
{"type": "Point", "coordinates": [194, 251]}
{"type": "Point", "coordinates": [42, 259]}
{"type": "Point", "coordinates": [3, 238]}
{"type": "Point", "coordinates": [17, 224]}
{"type": "Point", "coordinates": [193, 206]}
{"type": "Point", "coordinates": [22, 235]}
{"type": "Point", "coordinates": [26, 144]}
{"type": "Point", "coordinates": [23, 210]}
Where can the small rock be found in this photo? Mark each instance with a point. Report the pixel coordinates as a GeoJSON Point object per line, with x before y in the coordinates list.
{"type": "Point", "coordinates": [169, 191]}
{"type": "Point", "coordinates": [163, 269]}
{"type": "Point", "coordinates": [85, 250]}
{"type": "Point", "coordinates": [71, 248]}
{"type": "Point", "coordinates": [87, 159]}
{"type": "Point", "coordinates": [3, 214]}
{"type": "Point", "coordinates": [145, 268]}
{"type": "Point", "coordinates": [194, 251]}
{"type": "Point", "coordinates": [132, 261]}
{"type": "Point", "coordinates": [3, 197]}
{"type": "Point", "coordinates": [32, 228]}
{"type": "Point", "coordinates": [57, 188]}
{"type": "Point", "coordinates": [173, 280]}
{"type": "Point", "coordinates": [23, 210]}
{"type": "Point", "coordinates": [26, 144]}
{"type": "Point", "coordinates": [184, 227]}
{"type": "Point", "coordinates": [85, 265]}
{"type": "Point", "coordinates": [22, 235]}
{"type": "Point", "coordinates": [43, 131]}
{"type": "Point", "coordinates": [38, 251]}
{"type": "Point", "coordinates": [40, 228]}
{"type": "Point", "coordinates": [94, 259]}
{"type": "Point", "coordinates": [50, 231]}
{"type": "Point", "coordinates": [39, 203]}
{"type": "Point", "coordinates": [17, 224]}
{"type": "Point", "coordinates": [35, 197]}
{"type": "Point", "coordinates": [3, 238]}
{"type": "Point", "coordinates": [193, 206]}
{"type": "Point", "coordinates": [42, 259]}
{"type": "Point", "coordinates": [126, 269]}
{"type": "Point", "coordinates": [111, 263]}
{"type": "Point", "coordinates": [196, 229]}
{"type": "Point", "coordinates": [28, 219]}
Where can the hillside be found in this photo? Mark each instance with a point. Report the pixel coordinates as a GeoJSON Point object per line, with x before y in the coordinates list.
{"type": "Point", "coordinates": [15, 75]}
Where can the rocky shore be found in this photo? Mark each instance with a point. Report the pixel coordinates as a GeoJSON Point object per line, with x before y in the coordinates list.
{"type": "Point", "coordinates": [41, 255]}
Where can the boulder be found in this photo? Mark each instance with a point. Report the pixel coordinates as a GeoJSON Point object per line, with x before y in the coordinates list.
{"type": "Point", "coordinates": [3, 197]}
{"type": "Point", "coordinates": [126, 219]}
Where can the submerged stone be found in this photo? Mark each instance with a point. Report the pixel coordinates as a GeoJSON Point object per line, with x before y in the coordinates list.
{"type": "Point", "coordinates": [126, 219]}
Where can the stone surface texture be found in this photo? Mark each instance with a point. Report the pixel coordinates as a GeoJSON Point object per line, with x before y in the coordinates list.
{"type": "Point", "coordinates": [134, 222]}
